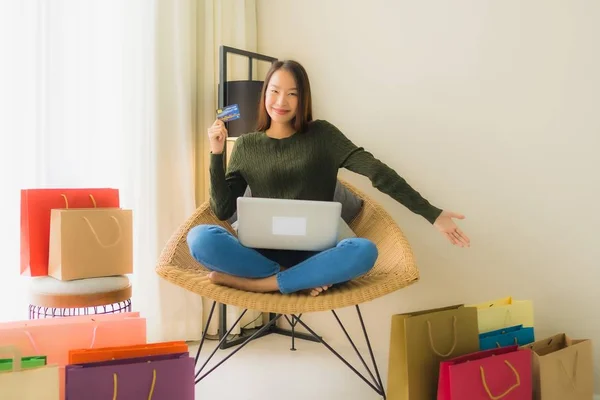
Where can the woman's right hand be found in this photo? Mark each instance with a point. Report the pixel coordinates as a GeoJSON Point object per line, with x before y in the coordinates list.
{"type": "Point", "coordinates": [217, 134]}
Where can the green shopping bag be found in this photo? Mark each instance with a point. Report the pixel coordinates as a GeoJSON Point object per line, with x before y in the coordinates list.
{"type": "Point", "coordinates": [6, 364]}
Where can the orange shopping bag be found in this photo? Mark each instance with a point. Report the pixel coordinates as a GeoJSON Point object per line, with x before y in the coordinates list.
{"type": "Point", "coordinates": [81, 356]}
{"type": "Point", "coordinates": [36, 205]}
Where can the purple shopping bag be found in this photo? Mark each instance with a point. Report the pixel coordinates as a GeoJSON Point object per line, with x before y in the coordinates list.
{"type": "Point", "coordinates": [164, 377]}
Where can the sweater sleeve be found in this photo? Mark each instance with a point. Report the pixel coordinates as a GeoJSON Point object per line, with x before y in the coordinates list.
{"type": "Point", "coordinates": [225, 188]}
{"type": "Point", "coordinates": [384, 178]}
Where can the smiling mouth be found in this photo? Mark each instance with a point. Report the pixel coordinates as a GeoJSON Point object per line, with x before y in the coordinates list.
{"type": "Point", "coordinates": [280, 111]}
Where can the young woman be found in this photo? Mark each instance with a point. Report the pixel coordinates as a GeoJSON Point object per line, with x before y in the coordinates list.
{"type": "Point", "coordinates": [290, 156]}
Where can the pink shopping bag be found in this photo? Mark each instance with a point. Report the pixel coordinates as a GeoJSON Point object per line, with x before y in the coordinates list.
{"type": "Point", "coordinates": [69, 320]}
{"type": "Point", "coordinates": [54, 338]}
{"type": "Point", "coordinates": [503, 373]}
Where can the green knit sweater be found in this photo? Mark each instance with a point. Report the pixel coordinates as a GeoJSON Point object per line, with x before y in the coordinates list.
{"type": "Point", "coordinates": [303, 166]}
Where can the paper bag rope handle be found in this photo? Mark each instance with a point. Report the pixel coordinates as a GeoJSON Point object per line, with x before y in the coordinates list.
{"type": "Point", "coordinates": [37, 351]}
{"type": "Point", "coordinates": [115, 384]}
{"type": "Point", "coordinates": [15, 355]}
{"type": "Point", "coordinates": [32, 342]}
{"type": "Point", "coordinates": [507, 318]}
{"type": "Point", "coordinates": [574, 376]}
{"type": "Point", "coordinates": [93, 337]}
{"type": "Point", "coordinates": [431, 338]}
{"type": "Point", "coordinates": [516, 342]}
{"type": "Point", "coordinates": [116, 242]}
{"type": "Point", "coordinates": [510, 389]}
{"type": "Point", "coordinates": [67, 201]}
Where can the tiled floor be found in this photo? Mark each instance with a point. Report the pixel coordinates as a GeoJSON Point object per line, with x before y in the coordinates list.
{"type": "Point", "coordinates": [266, 369]}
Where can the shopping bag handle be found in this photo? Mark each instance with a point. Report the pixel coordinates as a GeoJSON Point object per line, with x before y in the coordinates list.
{"type": "Point", "coordinates": [32, 342]}
{"type": "Point", "coordinates": [37, 351]}
{"type": "Point", "coordinates": [64, 196]}
{"type": "Point", "coordinates": [573, 377]}
{"type": "Point", "coordinates": [510, 389]}
{"type": "Point", "coordinates": [93, 337]}
{"type": "Point", "coordinates": [431, 338]}
{"type": "Point", "coordinates": [116, 242]}
{"type": "Point", "coordinates": [516, 342]}
{"type": "Point", "coordinates": [508, 313]}
{"type": "Point", "coordinates": [115, 385]}
{"type": "Point", "coordinates": [15, 355]}
{"type": "Point", "coordinates": [507, 317]}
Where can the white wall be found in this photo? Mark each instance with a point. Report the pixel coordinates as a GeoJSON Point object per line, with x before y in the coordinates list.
{"type": "Point", "coordinates": [486, 107]}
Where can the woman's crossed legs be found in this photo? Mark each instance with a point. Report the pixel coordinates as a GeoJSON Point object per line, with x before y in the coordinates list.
{"type": "Point", "coordinates": [244, 268]}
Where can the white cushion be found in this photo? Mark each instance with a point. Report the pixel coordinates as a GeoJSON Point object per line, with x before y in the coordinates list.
{"type": "Point", "coordinates": [49, 285]}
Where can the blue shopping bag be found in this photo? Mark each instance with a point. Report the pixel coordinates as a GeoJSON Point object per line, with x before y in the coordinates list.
{"type": "Point", "coordinates": [506, 337]}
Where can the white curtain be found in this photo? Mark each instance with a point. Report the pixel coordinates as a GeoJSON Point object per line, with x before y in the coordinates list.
{"type": "Point", "coordinates": [85, 109]}
{"type": "Point", "coordinates": [19, 37]}
{"type": "Point", "coordinates": [231, 23]}
{"type": "Point", "coordinates": [115, 94]}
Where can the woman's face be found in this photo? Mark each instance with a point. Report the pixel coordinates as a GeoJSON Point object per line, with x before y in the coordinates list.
{"type": "Point", "coordinates": [281, 100]}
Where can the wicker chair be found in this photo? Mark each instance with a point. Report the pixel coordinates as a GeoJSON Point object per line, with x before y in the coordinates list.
{"type": "Point", "coordinates": [395, 268]}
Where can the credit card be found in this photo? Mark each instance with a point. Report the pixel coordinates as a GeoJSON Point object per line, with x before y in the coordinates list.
{"type": "Point", "coordinates": [228, 113]}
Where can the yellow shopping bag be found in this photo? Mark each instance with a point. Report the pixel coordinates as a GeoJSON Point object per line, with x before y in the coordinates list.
{"type": "Point", "coordinates": [503, 313]}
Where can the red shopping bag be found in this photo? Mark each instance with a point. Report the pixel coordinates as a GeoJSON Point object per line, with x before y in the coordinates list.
{"type": "Point", "coordinates": [503, 373]}
{"type": "Point", "coordinates": [35, 220]}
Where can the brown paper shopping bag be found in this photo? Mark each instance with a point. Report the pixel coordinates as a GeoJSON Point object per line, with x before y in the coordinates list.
{"type": "Point", "coordinates": [90, 243]}
{"type": "Point", "coordinates": [562, 368]}
{"type": "Point", "coordinates": [419, 341]}
{"type": "Point", "coordinates": [36, 383]}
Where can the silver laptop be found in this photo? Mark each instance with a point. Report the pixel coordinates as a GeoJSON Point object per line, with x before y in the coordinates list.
{"type": "Point", "coordinates": [288, 224]}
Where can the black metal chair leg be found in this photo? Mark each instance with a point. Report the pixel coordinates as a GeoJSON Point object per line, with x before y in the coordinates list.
{"type": "Point", "coordinates": [293, 331]}
{"type": "Point", "coordinates": [266, 326]}
{"type": "Point", "coordinates": [258, 333]}
{"type": "Point", "coordinates": [377, 384]}
{"type": "Point", "coordinates": [353, 345]}
{"type": "Point", "coordinates": [212, 310]}
{"type": "Point", "coordinates": [225, 344]}
{"type": "Point", "coordinates": [270, 327]}
{"type": "Point", "coordinates": [216, 348]}
{"type": "Point", "coordinates": [362, 324]}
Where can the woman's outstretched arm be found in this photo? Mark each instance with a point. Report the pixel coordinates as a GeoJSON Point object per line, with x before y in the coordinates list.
{"type": "Point", "coordinates": [388, 181]}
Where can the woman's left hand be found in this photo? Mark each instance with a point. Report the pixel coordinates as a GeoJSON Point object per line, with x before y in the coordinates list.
{"type": "Point", "coordinates": [445, 224]}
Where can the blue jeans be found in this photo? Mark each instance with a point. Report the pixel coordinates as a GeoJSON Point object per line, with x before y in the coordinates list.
{"type": "Point", "coordinates": [218, 250]}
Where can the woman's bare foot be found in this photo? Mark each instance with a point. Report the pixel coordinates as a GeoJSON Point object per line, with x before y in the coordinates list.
{"type": "Point", "coordinates": [318, 290]}
{"type": "Point", "coordinates": [248, 284]}
{"type": "Point", "coordinates": [262, 285]}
